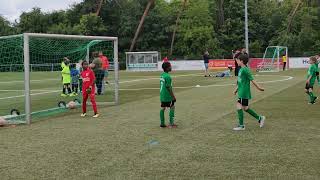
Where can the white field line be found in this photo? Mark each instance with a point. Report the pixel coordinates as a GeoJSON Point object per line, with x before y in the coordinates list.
{"type": "Point", "coordinates": [55, 91]}
{"type": "Point", "coordinates": [185, 87]}
{"type": "Point", "coordinates": [212, 85]}
{"type": "Point", "coordinates": [42, 80]}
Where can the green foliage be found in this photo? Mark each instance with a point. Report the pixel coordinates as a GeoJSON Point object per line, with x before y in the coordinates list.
{"type": "Point", "coordinates": [91, 24]}
{"type": "Point", "coordinates": [216, 25]}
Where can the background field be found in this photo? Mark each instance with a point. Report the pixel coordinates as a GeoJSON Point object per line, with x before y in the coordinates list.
{"type": "Point", "coordinates": [127, 143]}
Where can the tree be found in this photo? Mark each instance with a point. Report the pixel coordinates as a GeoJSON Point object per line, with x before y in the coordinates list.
{"type": "Point", "coordinates": [146, 11]}
{"type": "Point", "coordinates": [91, 24]}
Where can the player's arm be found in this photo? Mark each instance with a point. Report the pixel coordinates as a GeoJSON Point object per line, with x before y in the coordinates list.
{"type": "Point", "coordinates": [257, 85]}
{"type": "Point", "coordinates": [172, 94]}
{"type": "Point", "coordinates": [235, 91]}
{"type": "Point", "coordinates": [92, 78]}
{"type": "Point", "coordinates": [169, 88]}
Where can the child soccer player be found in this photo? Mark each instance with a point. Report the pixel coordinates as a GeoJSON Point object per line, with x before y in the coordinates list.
{"type": "Point", "coordinates": [66, 78]}
{"type": "Point", "coordinates": [88, 89]}
{"type": "Point", "coordinates": [244, 93]}
{"type": "Point", "coordinates": [311, 77]}
{"type": "Point", "coordinates": [317, 65]}
{"type": "Point", "coordinates": [167, 97]}
{"type": "Point", "coordinates": [74, 79]}
{"type": "Point", "coordinates": [226, 73]}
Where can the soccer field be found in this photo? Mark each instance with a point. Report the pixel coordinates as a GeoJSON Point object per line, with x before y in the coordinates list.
{"type": "Point", "coordinates": [127, 143]}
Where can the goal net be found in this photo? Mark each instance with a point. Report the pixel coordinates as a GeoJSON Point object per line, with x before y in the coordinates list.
{"type": "Point", "coordinates": [272, 59]}
{"type": "Point", "coordinates": [142, 61]}
{"type": "Point", "coordinates": [31, 68]}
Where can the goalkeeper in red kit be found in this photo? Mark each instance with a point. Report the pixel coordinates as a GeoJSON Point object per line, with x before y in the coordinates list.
{"type": "Point", "coordinates": [88, 89]}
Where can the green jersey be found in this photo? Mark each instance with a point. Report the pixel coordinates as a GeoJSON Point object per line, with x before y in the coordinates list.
{"type": "Point", "coordinates": [244, 79]}
{"type": "Point", "coordinates": [66, 78]}
{"type": "Point", "coordinates": [312, 72]}
{"type": "Point", "coordinates": [165, 84]}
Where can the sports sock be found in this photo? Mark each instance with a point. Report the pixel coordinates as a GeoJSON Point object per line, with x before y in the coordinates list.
{"type": "Point", "coordinates": [171, 115]}
{"type": "Point", "coordinates": [64, 90]}
{"type": "Point", "coordinates": [162, 123]}
{"type": "Point", "coordinates": [69, 90]}
{"type": "Point", "coordinates": [252, 113]}
{"type": "Point", "coordinates": [240, 116]}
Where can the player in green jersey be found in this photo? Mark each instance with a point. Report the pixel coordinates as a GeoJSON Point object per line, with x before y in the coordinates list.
{"type": "Point", "coordinates": [244, 93]}
{"type": "Point", "coordinates": [317, 65]}
{"type": "Point", "coordinates": [311, 78]}
{"type": "Point", "coordinates": [167, 97]}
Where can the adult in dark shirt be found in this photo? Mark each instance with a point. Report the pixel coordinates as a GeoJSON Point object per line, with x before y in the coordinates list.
{"type": "Point", "coordinates": [96, 66]}
{"type": "Point", "coordinates": [206, 63]}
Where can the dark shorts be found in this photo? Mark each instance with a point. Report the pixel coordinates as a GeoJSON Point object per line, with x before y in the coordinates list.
{"type": "Point", "coordinates": [308, 87]}
{"type": "Point", "coordinates": [243, 102]}
{"type": "Point", "coordinates": [206, 65]}
{"type": "Point", "coordinates": [67, 84]}
{"type": "Point", "coordinates": [167, 104]}
{"type": "Point", "coordinates": [317, 73]}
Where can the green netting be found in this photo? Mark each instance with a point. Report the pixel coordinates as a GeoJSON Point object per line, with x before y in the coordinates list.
{"type": "Point", "coordinates": [46, 56]}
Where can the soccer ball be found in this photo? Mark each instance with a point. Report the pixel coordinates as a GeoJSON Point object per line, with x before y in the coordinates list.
{"type": "Point", "coordinates": [72, 105]}
{"type": "Point", "coordinates": [3, 122]}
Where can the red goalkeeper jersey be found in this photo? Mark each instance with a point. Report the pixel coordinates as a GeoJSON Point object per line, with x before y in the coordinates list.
{"type": "Point", "coordinates": [88, 78]}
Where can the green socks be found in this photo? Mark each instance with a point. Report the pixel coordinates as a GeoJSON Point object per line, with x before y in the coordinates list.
{"type": "Point", "coordinates": [162, 123]}
{"type": "Point", "coordinates": [254, 114]}
{"type": "Point", "coordinates": [171, 115]}
{"type": "Point", "coordinates": [311, 96]}
{"type": "Point", "coordinates": [240, 116]}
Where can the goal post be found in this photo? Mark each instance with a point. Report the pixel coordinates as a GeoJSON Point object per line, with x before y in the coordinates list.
{"type": "Point", "coordinates": [142, 61]}
{"type": "Point", "coordinates": [272, 59]}
{"type": "Point", "coordinates": [34, 70]}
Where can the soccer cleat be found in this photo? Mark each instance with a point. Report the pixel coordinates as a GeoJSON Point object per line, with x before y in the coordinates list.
{"type": "Point", "coordinates": [72, 94]}
{"type": "Point", "coordinates": [172, 126]}
{"type": "Point", "coordinates": [239, 128]}
{"type": "Point", "coordinates": [261, 122]}
{"type": "Point", "coordinates": [96, 115]}
{"type": "Point", "coordinates": [64, 95]}
{"type": "Point", "coordinates": [83, 114]}
{"type": "Point", "coordinates": [163, 126]}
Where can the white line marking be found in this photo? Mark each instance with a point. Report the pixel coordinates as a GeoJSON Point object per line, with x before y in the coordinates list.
{"type": "Point", "coordinates": [138, 89]}
{"type": "Point", "coordinates": [212, 85]}
{"type": "Point", "coordinates": [9, 82]}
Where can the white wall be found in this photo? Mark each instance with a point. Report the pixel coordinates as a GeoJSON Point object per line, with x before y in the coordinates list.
{"type": "Point", "coordinates": [300, 62]}
{"type": "Point", "coordinates": [184, 65]}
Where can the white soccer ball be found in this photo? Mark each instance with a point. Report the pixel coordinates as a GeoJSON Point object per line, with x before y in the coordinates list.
{"type": "Point", "coordinates": [198, 85]}
{"type": "Point", "coordinates": [3, 122]}
{"type": "Point", "coordinates": [72, 105]}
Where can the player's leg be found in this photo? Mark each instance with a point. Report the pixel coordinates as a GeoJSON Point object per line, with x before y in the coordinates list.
{"type": "Point", "coordinates": [76, 88]}
{"type": "Point", "coordinates": [106, 76]}
{"type": "Point", "coordinates": [258, 117]}
{"type": "Point", "coordinates": [99, 82]}
{"type": "Point", "coordinates": [94, 103]}
{"type": "Point", "coordinates": [240, 116]}
{"type": "Point", "coordinates": [164, 105]}
{"type": "Point", "coordinates": [284, 66]}
{"type": "Point", "coordinates": [171, 115]}
{"type": "Point", "coordinates": [64, 89]}
{"type": "Point", "coordinates": [318, 79]}
{"type": "Point", "coordinates": [69, 88]}
{"type": "Point", "coordinates": [84, 103]}
{"type": "Point", "coordinates": [313, 98]}
{"type": "Point", "coordinates": [206, 69]}
{"type": "Point", "coordinates": [308, 90]}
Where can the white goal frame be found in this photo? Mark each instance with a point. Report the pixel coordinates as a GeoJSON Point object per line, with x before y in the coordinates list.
{"type": "Point", "coordinates": [26, 51]}
{"type": "Point", "coordinates": [261, 68]}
